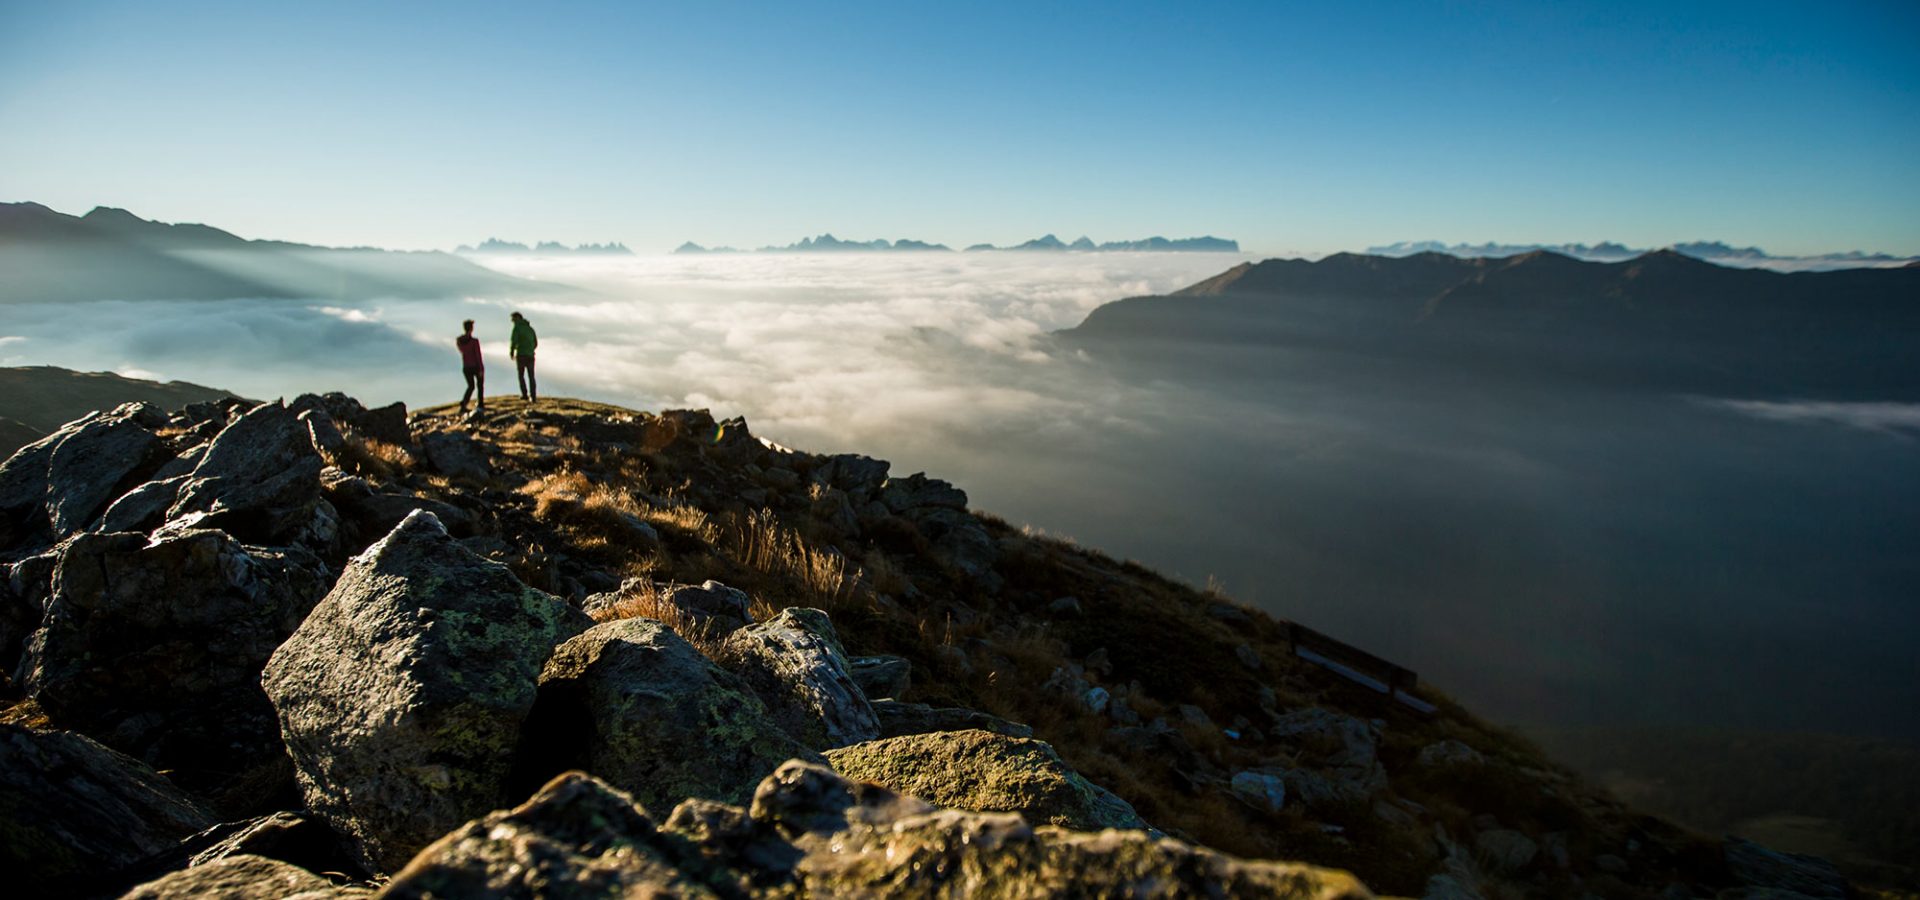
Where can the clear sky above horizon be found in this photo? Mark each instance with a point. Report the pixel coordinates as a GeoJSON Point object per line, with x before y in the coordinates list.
{"type": "Point", "coordinates": [1291, 127]}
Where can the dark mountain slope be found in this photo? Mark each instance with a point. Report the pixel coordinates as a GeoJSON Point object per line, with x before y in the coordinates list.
{"type": "Point", "coordinates": [112, 254]}
{"type": "Point", "coordinates": [36, 400]}
{"type": "Point", "coordinates": [1660, 320]}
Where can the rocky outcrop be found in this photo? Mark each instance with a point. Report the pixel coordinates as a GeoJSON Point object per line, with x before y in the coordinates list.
{"type": "Point", "coordinates": [987, 772]}
{"type": "Point", "coordinates": [72, 811]}
{"type": "Point", "coordinates": [243, 877]}
{"type": "Point", "coordinates": [1789, 876]}
{"type": "Point", "coordinates": [456, 456]}
{"type": "Point", "coordinates": [1341, 753]}
{"type": "Point", "coordinates": [635, 704]}
{"type": "Point", "coordinates": [101, 460]}
{"type": "Point", "coordinates": [155, 648]}
{"type": "Point", "coordinates": [402, 696]}
{"type": "Point", "coordinates": [259, 481]}
{"type": "Point", "coordinates": [794, 661]}
{"type": "Point", "coordinates": [810, 832]}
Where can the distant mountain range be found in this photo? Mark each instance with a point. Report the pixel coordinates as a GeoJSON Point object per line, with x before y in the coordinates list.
{"type": "Point", "coordinates": [1662, 319]}
{"type": "Point", "coordinates": [111, 254]}
{"type": "Point", "coordinates": [496, 246]}
{"type": "Point", "coordinates": [1610, 251]}
{"type": "Point", "coordinates": [827, 243]}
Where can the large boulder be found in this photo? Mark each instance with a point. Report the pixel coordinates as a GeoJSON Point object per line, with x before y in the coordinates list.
{"type": "Point", "coordinates": [456, 456]}
{"type": "Point", "coordinates": [242, 877]}
{"type": "Point", "coordinates": [632, 702]}
{"type": "Point", "coordinates": [23, 489]}
{"type": "Point", "coordinates": [72, 811]}
{"type": "Point", "coordinates": [258, 480]}
{"type": "Point", "coordinates": [812, 833]}
{"type": "Point", "coordinates": [155, 648]}
{"type": "Point", "coordinates": [100, 460]}
{"type": "Point", "coordinates": [402, 695]}
{"type": "Point", "coordinates": [794, 661]}
{"type": "Point", "coordinates": [987, 772]}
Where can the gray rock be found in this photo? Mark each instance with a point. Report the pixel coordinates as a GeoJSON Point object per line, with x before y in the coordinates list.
{"type": "Point", "coordinates": [712, 604]}
{"type": "Point", "coordinates": [780, 478]}
{"type": "Point", "coordinates": [1505, 850]}
{"type": "Point", "coordinates": [73, 811]}
{"type": "Point", "coordinates": [1194, 715]}
{"type": "Point", "coordinates": [1345, 747]}
{"type": "Point", "coordinates": [375, 512]}
{"type": "Point", "coordinates": [1248, 656]}
{"type": "Point", "coordinates": [1753, 865]}
{"type": "Point", "coordinates": [1064, 606]}
{"type": "Point", "coordinates": [387, 424]}
{"type": "Point", "coordinates": [986, 772]}
{"type": "Point", "coordinates": [882, 676]}
{"type": "Point", "coordinates": [861, 476]}
{"type": "Point", "coordinates": [259, 479]}
{"type": "Point", "coordinates": [142, 509]}
{"type": "Point", "coordinates": [1611, 864]}
{"type": "Point", "coordinates": [961, 543]}
{"type": "Point", "coordinates": [917, 491]}
{"type": "Point", "coordinates": [456, 456]}
{"type": "Point", "coordinates": [1263, 790]}
{"type": "Point", "coordinates": [101, 460]}
{"type": "Point", "coordinates": [634, 703]}
{"type": "Point", "coordinates": [155, 648]}
{"type": "Point", "coordinates": [241, 877]}
{"type": "Point", "coordinates": [898, 718]}
{"type": "Point", "coordinates": [812, 833]}
{"type": "Point", "coordinates": [402, 696]}
{"type": "Point", "coordinates": [1447, 754]}
{"type": "Point", "coordinates": [794, 661]}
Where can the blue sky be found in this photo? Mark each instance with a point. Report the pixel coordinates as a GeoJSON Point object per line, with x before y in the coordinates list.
{"type": "Point", "coordinates": [1292, 127]}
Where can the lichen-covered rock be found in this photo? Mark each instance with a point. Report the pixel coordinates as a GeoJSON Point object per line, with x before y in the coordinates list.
{"type": "Point", "coordinates": [100, 460]}
{"type": "Point", "coordinates": [402, 695]}
{"type": "Point", "coordinates": [881, 676]}
{"type": "Point", "coordinates": [987, 772]}
{"type": "Point", "coordinates": [72, 810]}
{"type": "Point", "coordinates": [897, 718]}
{"type": "Point", "coordinates": [811, 833]}
{"type": "Point", "coordinates": [259, 479]}
{"type": "Point", "coordinates": [794, 661]}
{"type": "Point", "coordinates": [156, 648]}
{"type": "Point", "coordinates": [577, 838]}
{"type": "Point", "coordinates": [242, 877]}
{"type": "Point", "coordinates": [633, 703]}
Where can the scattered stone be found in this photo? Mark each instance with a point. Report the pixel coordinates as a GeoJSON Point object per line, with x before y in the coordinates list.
{"type": "Point", "coordinates": [155, 648]}
{"type": "Point", "coordinates": [898, 718]}
{"type": "Point", "coordinates": [634, 703]}
{"type": "Point", "coordinates": [1753, 865]}
{"type": "Point", "coordinates": [1448, 754]}
{"type": "Point", "coordinates": [797, 666]}
{"type": "Point", "coordinates": [401, 697]}
{"type": "Point", "coordinates": [986, 772]}
{"type": "Point", "coordinates": [456, 456]}
{"type": "Point", "coordinates": [1247, 656]}
{"type": "Point", "coordinates": [882, 676]}
{"type": "Point", "coordinates": [1064, 606]}
{"type": "Point", "coordinates": [1344, 747]}
{"type": "Point", "coordinates": [713, 604]}
{"type": "Point", "coordinates": [1263, 790]}
{"type": "Point", "coordinates": [1505, 850]}
{"type": "Point", "coordinates": [73, 811]}
{"type": "Point", "coordinates": [1194, 715]}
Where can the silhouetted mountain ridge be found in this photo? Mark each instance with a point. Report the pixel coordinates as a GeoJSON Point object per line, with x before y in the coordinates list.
{"type": "Point", "coordinates": [1662, 318]}
{"type": "Point", "coordinates": [112, 254]}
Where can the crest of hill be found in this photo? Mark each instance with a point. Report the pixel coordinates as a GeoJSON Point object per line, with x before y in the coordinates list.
{"type": "Point", "coordinates": [112, 254]}
{"type": "Point", "coordinates": [817, 602]}
{"type": "Point", "coordinates": [36, 400]}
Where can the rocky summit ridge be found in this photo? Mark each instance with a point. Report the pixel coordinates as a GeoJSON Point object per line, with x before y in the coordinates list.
{"type": "Point", "coordinates": [308, 648]}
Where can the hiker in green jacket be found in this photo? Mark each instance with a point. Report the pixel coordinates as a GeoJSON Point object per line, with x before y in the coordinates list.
{"type": "Point", "coordinates": [520, 346]}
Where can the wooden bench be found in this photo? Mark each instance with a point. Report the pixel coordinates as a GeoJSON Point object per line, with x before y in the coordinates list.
{"type": "Point", "coordinates": [1357, 665]}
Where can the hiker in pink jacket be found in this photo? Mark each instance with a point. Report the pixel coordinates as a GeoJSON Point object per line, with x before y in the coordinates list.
{"type": "Point", "coordinates": [473, 367]}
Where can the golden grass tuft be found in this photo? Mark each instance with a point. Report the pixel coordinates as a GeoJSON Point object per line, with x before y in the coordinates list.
{"type": "Point", "coordinates": [373, 458]}
{"type": "Point", "coordinates": [648, 601]}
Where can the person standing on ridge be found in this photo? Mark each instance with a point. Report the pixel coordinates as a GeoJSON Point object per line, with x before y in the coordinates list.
{"type": "Point", "coordinates": [520, 347]}
{"type": "Point", "coordinates": [472, 366]}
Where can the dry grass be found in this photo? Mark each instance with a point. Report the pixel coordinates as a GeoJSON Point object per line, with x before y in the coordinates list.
{"type": "Point", "coordinates": [373, 458]}
{"type": "Point", "coordinates": [824, 578]}
{"type": "Point", "coordinates": [647, 601]}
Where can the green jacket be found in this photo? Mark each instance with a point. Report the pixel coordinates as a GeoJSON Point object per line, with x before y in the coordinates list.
{"type": "Point", "coordinates": [523, 340]}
